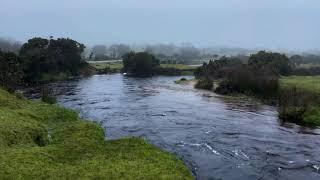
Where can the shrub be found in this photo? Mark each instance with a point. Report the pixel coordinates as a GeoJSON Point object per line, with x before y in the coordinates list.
{"type": "Point", "coordinates": [312, 116]}
{"type": "Point", "coordinates": [218, 68]}
{"type": "Point", "coordinates": [140, 64]}
{"type": "Point", "coordinates": [249, 81]}
{"type": "Point", "coordinates": [204, 84]}
{"type": "Point", "coordinates": [276, 62]}
{"type": "Point", "coordinates": [51, 56]}
{"type": "Point", "coordinates": [11, 71]}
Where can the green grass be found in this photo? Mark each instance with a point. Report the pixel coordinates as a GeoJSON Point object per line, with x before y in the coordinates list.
{"type": "Point", "coordinates": [312, 116]}
{"type": "Point", "coordinates": [118, 66]}
{"type": "Point", "coordinates": [309, 83]}
{"type": "Point", "coordinates": [178, 66]}
{"type": "Point", "coordinates": [309, 89]}
{"type": "Point", "coordinates": [42, 141]}
{"type": "Point", "coordinates": [112, 65]}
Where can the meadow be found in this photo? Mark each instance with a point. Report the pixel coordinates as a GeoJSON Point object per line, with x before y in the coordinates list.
{"type": "Point", "coordinates": [308, 83]}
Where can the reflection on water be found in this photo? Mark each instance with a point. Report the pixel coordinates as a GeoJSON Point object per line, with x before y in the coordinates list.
{"type": "Point", "coordinates": [218, 137]}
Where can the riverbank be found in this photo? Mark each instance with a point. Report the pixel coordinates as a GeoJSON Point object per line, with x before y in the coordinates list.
{"type": "Point", "coordinates": [164, 69]}
{"type": "Point", "coordinates": [297, 98]}
{"type": "Point", "coordinates": [42, 141]}
{"type": "Point", "coordinates": [218, 136]}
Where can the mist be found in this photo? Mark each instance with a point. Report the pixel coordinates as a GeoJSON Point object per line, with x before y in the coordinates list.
{"type": "Point", "coordinates": [270, 24]}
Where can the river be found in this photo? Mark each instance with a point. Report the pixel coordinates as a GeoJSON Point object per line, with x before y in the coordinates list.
{"type": "Point", "coordinates": [218, 137]}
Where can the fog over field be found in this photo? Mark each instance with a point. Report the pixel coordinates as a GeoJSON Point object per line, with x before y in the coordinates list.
{"type": "Point", "coordinates": [272, 24]}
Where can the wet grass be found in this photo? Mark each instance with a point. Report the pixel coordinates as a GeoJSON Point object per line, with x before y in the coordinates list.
{"type": "Point", "coordinates": [309, 83]}
{"type": "Point", "coordinates": [116, 66]}
{"type": "Point", "coordinates": [299, 99]}
{"type": "Point", "coordinates": [178, 66]}
{"type": "Point", "coordinates": [42, 141]}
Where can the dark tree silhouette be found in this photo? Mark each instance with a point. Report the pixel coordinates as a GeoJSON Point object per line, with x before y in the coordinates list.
{"type": "Point", "coordinates": [11, 71]}
{"type": "Point", "coordinates": [140, 64]}
{"type": "Point", "coordinates": [51, 56]}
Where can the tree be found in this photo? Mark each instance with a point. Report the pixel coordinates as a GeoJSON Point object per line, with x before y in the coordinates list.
{"type": "Point", "coordinates": [276, 62]}
{"type": "Point", "coordinates": [51, 56]}
{"type": "Point", "coordinates": [33, 54]}
{"type": "Point", "coordinates": [140, 64]}
{"type": "Point", "coordinates": [218, 68]}
{"type": "Point", "coordinates": [11, 71]}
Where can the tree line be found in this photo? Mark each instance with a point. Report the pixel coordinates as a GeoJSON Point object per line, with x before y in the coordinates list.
{"type": "Point", "coordinates": [39, 58]}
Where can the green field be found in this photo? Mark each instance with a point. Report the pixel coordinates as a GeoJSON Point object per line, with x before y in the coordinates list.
{"type": "Point", "coordinates": [103, 65]}
{"type": "Point", "coordinates": [309, 83]}
{"type": "Point", "coordinates": [117, 66]}
{"type": "Point", "coordinates": [309, 92]}
{"type": "Point", "coordinates": [179, 66]}
{"type": "Point", "coordinates": [42, 141]}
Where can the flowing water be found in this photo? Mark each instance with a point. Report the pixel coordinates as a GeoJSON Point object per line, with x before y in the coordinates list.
{"type": "Point", "coordinates": [218, 137]}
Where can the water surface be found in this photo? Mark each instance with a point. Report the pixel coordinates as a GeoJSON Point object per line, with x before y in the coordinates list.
{"type": "Point", "coordinates": [218, 137]}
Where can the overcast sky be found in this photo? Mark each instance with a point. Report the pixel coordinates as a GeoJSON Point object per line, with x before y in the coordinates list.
{"type": "Point", "coordinates": [289, 24]}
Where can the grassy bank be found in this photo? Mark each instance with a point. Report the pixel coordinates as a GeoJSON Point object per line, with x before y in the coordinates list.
{"type": "Point", "coordinates": [183, 69]}
{"type": "Point", "coordinates": [180, 69]}
{"type": "Point", "coordinates": [115, 66]}
{"type": "Point", "coordinates": [308, 83]}
{"type": "Point", "coordinates": [299, 99]}
{"type": "Point", "coordinates": [42, 141]}
{"type": "Point", "coordinates": [179, 66]}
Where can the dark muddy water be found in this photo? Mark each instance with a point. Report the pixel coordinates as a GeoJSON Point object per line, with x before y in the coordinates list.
{"type": "Point", "coordinates": [218, 137]}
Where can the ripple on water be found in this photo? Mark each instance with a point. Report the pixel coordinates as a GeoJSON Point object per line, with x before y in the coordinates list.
{"type": "Point", "coordinates": [217, 136]}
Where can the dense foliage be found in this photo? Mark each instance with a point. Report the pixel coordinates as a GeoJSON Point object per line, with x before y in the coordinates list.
{"type": "Point", "coordinates": [204, 84]}
{"type": "Point", "coordinates": [275, 62]}
{"type": "Point", "coordinates": [140, 64]}
{"type": "Point", "coordinates": [257, 76]}
{"type": "Point", "coordinates": [299, 100]}
{"type": "Point", "coordinates": [218, 68]}
{"type": "Point", "coordinates": [43, 56]}
{"type": "Point", "coordinates": [11, 70]}
{"type": "Point", "coordinates": [248, 80]}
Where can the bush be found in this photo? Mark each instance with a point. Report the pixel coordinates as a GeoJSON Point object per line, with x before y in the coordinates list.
{"type": "Point", "coordinates": [11, 71]}
{"type": "Point", "coordinates": [218, 68]}
{"type": "Point", "coordinates": [140, 64]}
{"type": "Point", "coordinates": [249, 81]}
{"type": "Point", "coordinates": [312, 116]}
{"type": "Point", "coordinates": [276, 62]}
{"type": "Point", "coordinates": [51, 56]}
{"type": "Point", "coordinates": [204, 84]}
